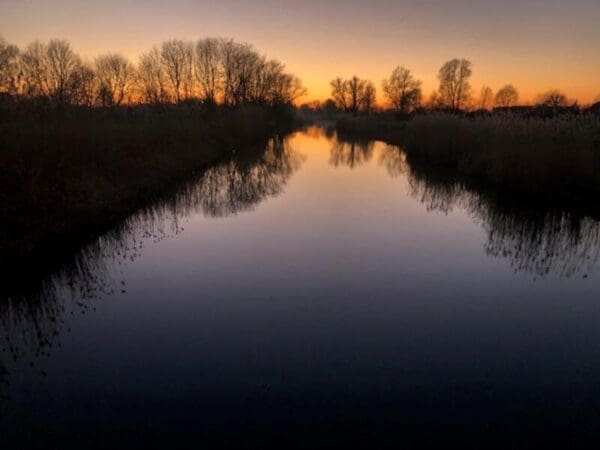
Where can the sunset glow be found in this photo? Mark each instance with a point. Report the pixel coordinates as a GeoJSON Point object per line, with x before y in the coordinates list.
{"type": "Point", "coordinates": [535, 45]}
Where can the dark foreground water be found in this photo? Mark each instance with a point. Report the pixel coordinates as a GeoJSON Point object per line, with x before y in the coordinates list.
{"type": "Point", "coordinates": [317, 294]}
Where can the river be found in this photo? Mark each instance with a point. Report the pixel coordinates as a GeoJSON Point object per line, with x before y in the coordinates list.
{"type": "Point", "coordinates": [315, 292]}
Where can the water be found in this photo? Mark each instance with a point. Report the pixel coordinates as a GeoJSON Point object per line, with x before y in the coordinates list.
{"type": "Point", "coordinates": [317, 293]}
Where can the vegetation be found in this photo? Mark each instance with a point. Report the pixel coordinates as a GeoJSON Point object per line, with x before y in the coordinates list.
{"type": "Point", "coordinates": [209, 70]}
{"type": "Point", "coordinates": [353, 95]}
{"type": "Point", "coordinates": [556, 158]}
{"type": "Point", "coordinates": [549, 149]}
{"type": "Point", "coordinates": [73, 175]}
{"type": "Point", "coordinates": [82, 145]}
{"type": "Point", "coordinates": [402, 90]}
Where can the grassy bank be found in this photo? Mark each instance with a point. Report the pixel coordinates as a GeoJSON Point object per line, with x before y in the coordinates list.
{"type": "Point", "coordinates": [65, 177]}
{"type": "Point", "coordinates": [553, 158]}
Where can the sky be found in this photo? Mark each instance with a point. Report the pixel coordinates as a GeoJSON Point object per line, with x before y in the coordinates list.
{"type": "Point", "coordinates": [533, 44]}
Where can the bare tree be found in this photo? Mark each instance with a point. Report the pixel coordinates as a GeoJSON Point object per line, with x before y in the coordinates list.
{"type": "Point", "coordinates": [51, 70]}
{"type": "Point", "coordinates": [287, 89]}
{"type": "Point", "coordinates": [151, 77]}
{"type": "Point", "coordinates": [355, 88]}
{"type": "Point", "coordinates": [353, 95]}
{"type": "Point", "coordinates": [272, 85]}
{"type": "Point", "coordinates": [367, 102]}
{"type": "Point", "coordinates": [455, 88]}
{"type": "Point", "coordinates": [84, 91]}
{"type": "Point", "coordinates": [177, 60]}
{"type": "Point", "coordinates": [115, 77]}
{"type": "Point", "coordinates": [506, 96]}
{"type": "Point", "coordinates": [486, 97]}
{"type": "Point", "coordinates": [175, 71]}
{"type": "Point", "coordinates": [8, 67]}
{"type": "Point", "coordinates": [208, 71]}
{"type": "Point", "coordinates": [239, 64]}
{"type": "Point", "coordinates": [553, 99]}
{"type": "Point", "coordinates": [402, 90]}
{"type": "Point", "coordinates": [338, 93]}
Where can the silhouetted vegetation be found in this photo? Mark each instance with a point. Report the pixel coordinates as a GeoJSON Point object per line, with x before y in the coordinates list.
{"type": "Point", "coordinates": [210, 70]}
{"type": "Point", "coordinates": [557, 158]}
{"type": "Point", "coordinates": [538, 239]}
{"type": "Point", "coordinates": [547, 149]}
{"type": "Point", "coordinates": [402, 90]}
{"type": "Point", "coordinates": [353, 95]}
{"type": "Point", "coordinates": [82, 144]}
{"type": "Point", "coordinates": [32, 313]}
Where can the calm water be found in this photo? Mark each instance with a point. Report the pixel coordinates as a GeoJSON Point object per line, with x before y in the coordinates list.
{"type": "Point", "coordinates": [315, 293]}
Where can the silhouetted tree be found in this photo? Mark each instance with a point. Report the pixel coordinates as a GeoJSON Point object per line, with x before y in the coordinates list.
{"type": "Point", "coordinates": [151, 77]}
{"type": "Point", "coordinates": [115, 77]}
{"type": "Point", "coordinates": [85, 80]}
{"type": "Point", "coordinates": [402, 90]}
{"type": "Point", "coordinates": [8, 67]}
{"type": "Point", "coordinates": [176, 57]}
{"type": "Point", "coordinates": [208, 71]}
{"type": "Point", "coordinates": [506, 96]}
{"type": "Point", "coordinates": [52, 71]}
{"type": "Point", "coordinates": [213, 69]}
{"type": "Point", "coordinates": [553, 99]}
{"type": "Point", "coordinates": [455, 88]}
{"type": "Point", "coordinates": [368, 97]}
{"type": "Point", "coordinates": [353, 95]}
{"type": "Point", "coordinates": [338, 93]}
{"type": "Point", "coordinates": [239, 62]}
{"type": "Point", "coordinates": [486, 97]}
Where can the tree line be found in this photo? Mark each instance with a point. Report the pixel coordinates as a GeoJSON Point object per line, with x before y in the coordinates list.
{"type": "Point", "coordinates": [210, 70]}
{"type": "Point", "coordinates": [404, 94]}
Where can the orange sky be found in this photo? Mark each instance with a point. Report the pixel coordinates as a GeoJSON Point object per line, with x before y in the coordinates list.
{"type": "Point", "coordinates": [535, 45]}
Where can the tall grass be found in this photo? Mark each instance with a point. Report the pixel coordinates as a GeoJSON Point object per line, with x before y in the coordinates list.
{"type": "Point", "coordinates": [70, 175]}
{"type": "Point", "coordinates": [555, 157]}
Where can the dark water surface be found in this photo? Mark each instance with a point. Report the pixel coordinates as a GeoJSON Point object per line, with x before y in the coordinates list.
{"type": "Point", "coordinates": [316, 294]}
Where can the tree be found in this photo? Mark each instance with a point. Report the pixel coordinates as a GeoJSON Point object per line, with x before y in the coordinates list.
{"type": "Point", "coordinates": [485, 97]}
{"type": "Point", "coordinates": [402, 90]}
{"type": "Point", "coordinates": [286, 89]}
{"type": "Point", "coordinates": [353, 95]}
{"type": "Point", "coordinates": [177, 59]}
{"type": "Point", "coordinates": [51, 71]}
{"type": "Point", "coordinates": [553, 99]}
{"type": "Point", "coordinates": [151, 78]}
{"type": "Point", "coordinates": [338, 93]}
{"type": "Point", "coordinates": [115, 76]}
{"type": "Point", "coordinates": [84, 91]}
{"type": "Point", "coordinates": [239, 64]}
{"type": "Point", "coordinates": [455, 88]}
{"type": "Point", "coordinates": [506, 96]}
{"type": "Point", "coordinates": [207, 63]}
{"type": "Point", "coordinates": [8, 66]}
{"type": "Point", "coordinates": [174, 71]}
{"type": "Point", "coordinates": [368, 97]}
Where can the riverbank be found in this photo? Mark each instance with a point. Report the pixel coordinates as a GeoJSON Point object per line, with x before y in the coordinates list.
{"type": "Point", "coordinates": [66, 178]}
{"type": "Point", "coordinates": [550, 159]}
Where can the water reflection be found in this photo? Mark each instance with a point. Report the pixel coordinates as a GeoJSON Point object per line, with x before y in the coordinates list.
{"type": "Point", "coordinates": [351, 153]}
{"type": "Point", "coordinates": [243, 182]}
{"type": "Point", "coordinates": [33, 313]}
{"type": "Point", "coordinates": [536, 240]}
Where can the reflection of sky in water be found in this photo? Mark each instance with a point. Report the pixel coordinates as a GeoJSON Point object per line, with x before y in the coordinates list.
{"type": "Point", "coordinates": [309, 266]}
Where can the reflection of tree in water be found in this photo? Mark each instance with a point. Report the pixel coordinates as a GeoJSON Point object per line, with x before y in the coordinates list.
{"type": "Point", "coordinates": [537, 241]}
{"type": "Point", "coordinates": [351, 153]}
{"type": "Point", "coordinates": [31, 318]}
{"type": "Point", "coordinates": [242, 183]}
{"type": "Point", "coordinates": [33, 313]}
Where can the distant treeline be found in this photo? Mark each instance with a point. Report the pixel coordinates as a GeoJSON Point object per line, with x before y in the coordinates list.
{"type": "Point", "coordinates": [404, 95]}
{"type": "Point", "coordinates": [214, 71]}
